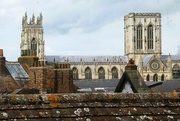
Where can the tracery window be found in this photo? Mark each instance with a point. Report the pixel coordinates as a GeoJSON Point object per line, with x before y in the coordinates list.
{"type": "Point", "coordinates": [176, 71]}
{"type": "Point", "coordinates": [148, 78]}
{"type": "Point", "coordinates": [33, 44]}
{"type": "Point", "coordinates": [101, 73]}
{"type": "Point", "coordinates": [155, 77]}
{"type": "Point", "coordinates": [162, 77]}
{"type": "Point", "coordinates": [114, 73]}
{"type": "Point", "coordinates": [139, 44]}
{"type": "Point", "coordinates": [88, 74]}
{"type": "Point", "coordinates": [75, 73]}
{"type": "Point", "coordinates": [150, 37]}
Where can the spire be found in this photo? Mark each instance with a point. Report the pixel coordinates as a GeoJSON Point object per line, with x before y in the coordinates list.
{"type": "Point", "coordinates": [33, 19]}
{"type": "Point", "coordinates": [24, 19]}
{"type": "Point", "coordinates": [169, 58]}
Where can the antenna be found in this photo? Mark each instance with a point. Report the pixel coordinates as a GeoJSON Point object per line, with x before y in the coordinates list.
{"type": "Point", "coordinates": [178, 53]}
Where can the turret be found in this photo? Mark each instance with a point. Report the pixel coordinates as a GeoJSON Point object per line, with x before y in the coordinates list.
{"type": "Point", "coordinates": [169, 62]}
{"type": "Point", "coordinates": [24, 20]}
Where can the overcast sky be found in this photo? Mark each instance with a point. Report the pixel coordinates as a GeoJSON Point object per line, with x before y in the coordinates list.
{"type": "Point", "coordinates": [84, 27]}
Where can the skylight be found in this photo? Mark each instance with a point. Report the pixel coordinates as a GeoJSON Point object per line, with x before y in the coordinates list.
{"type": "Point", "coordinates": [16, 71]}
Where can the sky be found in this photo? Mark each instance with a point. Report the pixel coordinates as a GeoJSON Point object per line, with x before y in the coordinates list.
{"type": "Point", "coordinates": [84, 27]}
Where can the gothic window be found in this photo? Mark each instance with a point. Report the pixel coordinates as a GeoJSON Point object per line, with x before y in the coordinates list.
{"type": "Point", "coordinates": [148, 78]}
{"type": "Point", "coordinates": [176, 71]}
{"type": "Point", "coordinates": [88, 74]}
{"type": "Point", "coordinates": [162, 77]}
{"type": "Point", "coordinates": [75, 73]}
{"type": "Point", "coordinates": [139, 37]}
{"type": "Point", "coordinates": [114, 73]}
{"type": "Point", "coordinates": [101, 73]}
{"type": "Point", "coordinates": [155, 77]}
{"type": "Point", "coordinates": [150, 37]}
{"type": "Point", "coordinates": [33, 44]}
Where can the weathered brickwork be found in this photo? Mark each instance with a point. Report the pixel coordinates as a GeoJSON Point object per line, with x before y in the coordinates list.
{"type": "Point", "coordinates": [56, 79]}
{"type": "Point", "coordinates": [3, 70]}
{"type": "Point", "coordinates": [63, 78]}
{"type": "Point", "coordinates": [38, 78]}
{"type": "Point", "coordinates": [29, 60]}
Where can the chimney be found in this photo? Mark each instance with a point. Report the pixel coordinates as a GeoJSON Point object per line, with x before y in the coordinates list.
{"type": "Point", "coordinates": [131, 65]}
{"type": "Point", "coordinates": [2, 62]}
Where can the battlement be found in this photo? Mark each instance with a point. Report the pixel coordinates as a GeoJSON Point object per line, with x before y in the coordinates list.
{"type": "Point", "coordinates": [61, 66]}
{"type": "Point", "coordinates": [32, 20]}
{"type": "Point", "coordinates": [143, 14]}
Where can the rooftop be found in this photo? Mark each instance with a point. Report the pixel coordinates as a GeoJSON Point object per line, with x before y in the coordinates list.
{"type": "Point", "coordinates": [87, 106]}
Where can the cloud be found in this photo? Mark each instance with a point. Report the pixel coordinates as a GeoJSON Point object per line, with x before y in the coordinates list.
{"type": "Point", "coordinates": [84, 27]}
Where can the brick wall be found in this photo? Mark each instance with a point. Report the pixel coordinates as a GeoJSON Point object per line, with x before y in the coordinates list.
{"type": "Point", "coordinates": [29, 60]}
{"type": "Point", "coordinates": [63, 78]}
{"type": "Point", "coordinates": [56, 79]}
{"type": "Point", "coordinates": [38, 79]}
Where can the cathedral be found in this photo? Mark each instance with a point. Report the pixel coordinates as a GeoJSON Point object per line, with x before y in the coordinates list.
{"type": "Point", "coordinates": [142, 41]}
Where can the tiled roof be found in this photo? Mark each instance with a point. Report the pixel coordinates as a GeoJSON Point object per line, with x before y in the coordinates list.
{"type": "Point", "coordinates": [134, 78]}
{"type": "Point", "coordinates": [169, 86]}
{"type": "Point", "coordinates": [78, 59]}
{"type": "Point", "coordinates": [8, 84]}
{"type": "Point", "coordinates": [91, 107]}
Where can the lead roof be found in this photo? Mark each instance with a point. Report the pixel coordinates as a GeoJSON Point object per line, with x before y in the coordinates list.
{"type": "Point", "coordinates": [78, 59]}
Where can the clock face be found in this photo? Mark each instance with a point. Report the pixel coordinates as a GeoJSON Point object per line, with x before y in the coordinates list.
{"type": "Point", "coordinates": [155, 65]}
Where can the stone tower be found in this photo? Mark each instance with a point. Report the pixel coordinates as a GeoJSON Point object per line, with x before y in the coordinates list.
{"type": "Point", "coordinates": [142, 35]}
{"type": "Point", "coordinates": [32, 43]}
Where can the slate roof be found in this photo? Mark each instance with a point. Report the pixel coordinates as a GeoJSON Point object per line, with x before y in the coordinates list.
{"type": "Point", "coordinates": [108, 85]}
{"type": "Point", "coordinates": [91, 107]}
{"type": "Point", "coordinates": [146, 59]}
{"type": "Point", "coordinates": [88, 59]}
{"type": "Point", "coordinates": [173, 57]}
{"type": "Point", "coordinates": [169, 86]}
{"type": "Point", "coordinates": [135, 80]}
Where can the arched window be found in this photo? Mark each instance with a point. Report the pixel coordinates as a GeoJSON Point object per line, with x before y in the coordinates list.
{"type": "Point", "coordinates": [162, 77]}
{"type": "Point", "coordinates": [101, 73]}
{"type": "Point", "coordinates": [148, 78]}
{"type": "Point", "coordinates": [75, 73]}
{"type": "Point", "coordinates": [139, 44]}
{"type": "Point", "coordinates": [150, 37]}
{"type": "Point", "coordinates": [114, 73]}
{"type": "Point", "coordinates": [33, 44]}
{"type": "Point", "coordinates": [88, 74]}
{"type": "Point", "coordinates": [155, 77]}
{"type": "Point", "coordinates": [176, 71]}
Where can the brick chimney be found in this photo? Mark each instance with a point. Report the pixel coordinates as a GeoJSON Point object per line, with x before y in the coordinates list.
{"type": "Point", "coordinates": [2, 63]}
{"type": "Point", "coordinates": [131, 65]}
{"type": "Point", "coordinates": [63, 78]}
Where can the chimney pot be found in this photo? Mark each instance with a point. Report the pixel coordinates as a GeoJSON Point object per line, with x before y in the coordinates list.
{"type": "Point", "coordinates": [1, 52]}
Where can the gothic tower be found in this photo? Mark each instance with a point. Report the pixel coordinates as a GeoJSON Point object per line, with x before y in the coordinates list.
{"type": "Point", "coordinates": [32, 43]}
{"type": "Point", "coordinates": [142, 35]}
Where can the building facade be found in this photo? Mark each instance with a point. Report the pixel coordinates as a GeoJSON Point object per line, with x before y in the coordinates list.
{"type": "Point", "coordinates": [93, 67]}
{"type": "Point", "coordinates": [32, 42]}
{"type": "Point", "coordinates": [142, 41]}
{"type": "Point", "coordinates": [142, 35]}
